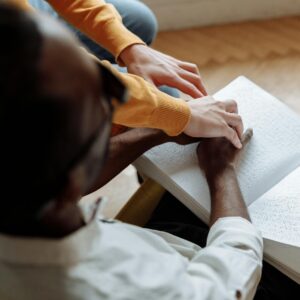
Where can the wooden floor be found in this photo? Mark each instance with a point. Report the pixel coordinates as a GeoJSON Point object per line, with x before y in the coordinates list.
{"type": "Point", "coordinates": [267, 52]}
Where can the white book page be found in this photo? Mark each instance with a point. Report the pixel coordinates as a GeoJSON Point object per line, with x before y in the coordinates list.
{"type": "Point", "coordinates": [277, 213]}
{"type": "Point", "coordinates": [274, 149]}
{"type": "Point", "coordinates": [272, 153]}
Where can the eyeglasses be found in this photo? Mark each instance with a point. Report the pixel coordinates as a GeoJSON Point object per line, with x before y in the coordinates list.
{"type": "Point", "coordinates": [113, 89]}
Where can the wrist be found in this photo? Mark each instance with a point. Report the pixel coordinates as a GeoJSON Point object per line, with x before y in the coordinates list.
{"type": "Point", "coordinates": [157, 137]}
{"type": "Point", "coordinates": [129, 54]}
{"type": "Point", "coordinates": [150, 137]}
{"type": "Point", "coordinates": [216, 179]}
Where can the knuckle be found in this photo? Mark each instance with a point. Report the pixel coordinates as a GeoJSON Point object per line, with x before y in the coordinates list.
{"type": "Point", "coordinates": [220, 104]}
{"type": "Point", "coordinates": [239, 119]}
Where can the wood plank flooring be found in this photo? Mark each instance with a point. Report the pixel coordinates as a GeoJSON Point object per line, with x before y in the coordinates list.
{"type": "Point", "coordinates": [267, 52]}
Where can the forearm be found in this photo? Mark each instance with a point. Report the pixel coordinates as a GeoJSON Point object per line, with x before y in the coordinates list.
{"type": "Point", "coordinates": [226, 197]}
{"type": "Point", "coordinates": [125, 148]}
{"type": "Point", "coordinates": [98, 20]}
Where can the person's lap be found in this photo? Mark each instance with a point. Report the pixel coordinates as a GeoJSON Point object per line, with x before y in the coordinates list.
{"type": "Point", "coordinates": [173, 217]}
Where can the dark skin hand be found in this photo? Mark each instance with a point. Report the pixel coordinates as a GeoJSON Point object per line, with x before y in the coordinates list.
{"type": "Point", "coordinates": [218, 159]}
{"type": "Point", "coordinates": [126, 147]}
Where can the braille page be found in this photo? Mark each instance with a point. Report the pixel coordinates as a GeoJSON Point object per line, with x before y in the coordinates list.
{"type": "Point", "coordinates": [277, 215]}
{"type": "Point", "coordinates": [277, 212]}
{"type": "Point", "coordinates": [273, 152]}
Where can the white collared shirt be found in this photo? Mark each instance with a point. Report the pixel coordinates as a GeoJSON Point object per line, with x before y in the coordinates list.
{"type": "Point", "coordinates": [113, 260]}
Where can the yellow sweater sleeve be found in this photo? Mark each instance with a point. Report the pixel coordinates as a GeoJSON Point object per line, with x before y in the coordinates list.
{"type": "Point", "coordinates": [149, 107]}
{"type": "Point", "coordinates": [98, 20]}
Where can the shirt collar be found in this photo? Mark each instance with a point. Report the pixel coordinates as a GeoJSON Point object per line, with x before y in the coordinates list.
{"type": "Point", "coordinates": [64, 251]}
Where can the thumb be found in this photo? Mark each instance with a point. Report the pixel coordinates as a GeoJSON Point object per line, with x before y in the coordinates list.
{"type": "Point", "coordinates": [247, 136]}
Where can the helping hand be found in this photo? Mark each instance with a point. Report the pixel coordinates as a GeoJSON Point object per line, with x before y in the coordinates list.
{"type": "Point", "coordinates": [211, 118]}
{"type": "Point", "coordinates": [161, 69]}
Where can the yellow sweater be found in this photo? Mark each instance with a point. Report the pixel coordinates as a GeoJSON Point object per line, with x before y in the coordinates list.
{"type": "Point", "coordinates": [147, 107]}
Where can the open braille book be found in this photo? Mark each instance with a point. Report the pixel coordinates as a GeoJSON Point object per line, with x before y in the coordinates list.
{"type": "Point", "coordinates": [268, 173]}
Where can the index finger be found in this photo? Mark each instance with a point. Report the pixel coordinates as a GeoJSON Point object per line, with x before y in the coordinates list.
{"type": "Point", "coordinates": [194, 79]}
{"type": "Point", "coordinates": [247, 136]}
{"type": "Point", "coordinates": [194, 69]}
{"type": "Point", "coordinates": [185, 86]}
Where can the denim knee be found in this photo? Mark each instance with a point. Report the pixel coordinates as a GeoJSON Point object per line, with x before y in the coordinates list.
{"type": "Point", "coordinates": [138, 18]}
{"type": "Point", "coordinates": [147, 26]}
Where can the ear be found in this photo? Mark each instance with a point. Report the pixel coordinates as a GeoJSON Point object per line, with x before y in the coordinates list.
{"type": "Point", "coordinates": [74, 188]}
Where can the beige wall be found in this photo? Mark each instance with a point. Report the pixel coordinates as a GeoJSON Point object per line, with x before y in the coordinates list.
{"type": "Point", "coordinates": [174, 14]}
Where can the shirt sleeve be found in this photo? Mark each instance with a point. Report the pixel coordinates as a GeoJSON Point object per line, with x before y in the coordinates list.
{"type": "Point", "coordinates": [229, 267]}
{"type": "Point", "coordinates": [98, 20]}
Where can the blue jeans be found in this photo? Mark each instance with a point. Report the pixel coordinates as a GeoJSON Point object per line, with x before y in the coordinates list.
{"type": "Point", "coordinates": [136, 16]}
